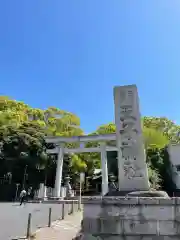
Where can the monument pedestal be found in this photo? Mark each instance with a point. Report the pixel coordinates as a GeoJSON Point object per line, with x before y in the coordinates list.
{"type": "Point", "coordinates": [111, 218]}
{"type": "Point", "coordinates": [150, 193]}
{"type": "Point", "coordinates": [55, 198]}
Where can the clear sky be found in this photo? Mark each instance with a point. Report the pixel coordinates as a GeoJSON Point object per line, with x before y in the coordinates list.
{"type": "Point", "coordinates": [70, 53]}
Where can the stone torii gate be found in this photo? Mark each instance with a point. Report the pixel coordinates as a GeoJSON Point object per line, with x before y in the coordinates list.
{"type": "Point", "coordinates": [61, 150]}
{"type": "Point", "coordinates": [132, 169]}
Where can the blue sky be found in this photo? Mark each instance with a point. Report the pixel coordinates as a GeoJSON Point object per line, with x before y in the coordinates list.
{"type": "Point", "coordinates": [70, 54]}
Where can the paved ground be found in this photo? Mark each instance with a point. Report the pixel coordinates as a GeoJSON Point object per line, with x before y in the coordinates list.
{"type": "Point", "coordinates": [13, 218]}
{"type": "Point", "coordinates": [64, 229]}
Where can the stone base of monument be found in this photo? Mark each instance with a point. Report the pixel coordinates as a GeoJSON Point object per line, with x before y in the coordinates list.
{"type": "Point", "coordinates": [150, 193]}
{"type": "Point", "coordinates": [54, 198]}
{"type": "Point", "coordinates": [71, 198]}
{"type": "Point", "coordinates": [129, 218]}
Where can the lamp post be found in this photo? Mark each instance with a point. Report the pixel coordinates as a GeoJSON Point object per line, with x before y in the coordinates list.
{"type": "Point", "coordinates": [17, 188]}
{"type": "Point", "coordinates": [24, 178]}
{"type": "Point", "coordinates": [81, 179]}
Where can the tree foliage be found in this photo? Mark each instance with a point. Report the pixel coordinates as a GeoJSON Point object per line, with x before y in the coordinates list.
{"type": "Point", "coordinates": [154, 138]}
{"type": "Point", "coordinates": [22, 132]}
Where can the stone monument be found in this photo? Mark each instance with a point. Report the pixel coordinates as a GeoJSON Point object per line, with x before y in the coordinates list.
{"type": "Point", "coordinates": [141, 214]}
{"type": "Point", "coordinates": [133, 173]}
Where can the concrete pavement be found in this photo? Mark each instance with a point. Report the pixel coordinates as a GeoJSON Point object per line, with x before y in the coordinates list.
{"type": "Point", "coordinates": [66, 229]}
{"type": "Point", "coordinates": [14, 218]}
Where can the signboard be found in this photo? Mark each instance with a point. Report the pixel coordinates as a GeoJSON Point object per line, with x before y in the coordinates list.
{"type": "Point", "coordinates": [82, 177]}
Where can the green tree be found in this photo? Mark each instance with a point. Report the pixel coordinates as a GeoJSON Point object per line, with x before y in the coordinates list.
{"type": "Point", "coordinates": [163, 125]}
{"type": "Point", "coordinates": [154, 138]}
{"type": "Point", "coordinates": [22, 132]}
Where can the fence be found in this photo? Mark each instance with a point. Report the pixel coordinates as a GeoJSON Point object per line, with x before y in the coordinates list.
{"type": "Point", "coordinates": [48, 192]}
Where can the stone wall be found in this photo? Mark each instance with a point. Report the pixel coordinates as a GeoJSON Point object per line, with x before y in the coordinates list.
{"type": "Point", "coordinates": [112, 218]}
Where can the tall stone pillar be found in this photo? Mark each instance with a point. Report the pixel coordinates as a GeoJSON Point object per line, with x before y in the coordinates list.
{"type": "Point", "coordinates": [131, 154]}
{"type": "Point", "coordinates": [104, 168]}
{"type": "Point", "coordinates": [57, 192]}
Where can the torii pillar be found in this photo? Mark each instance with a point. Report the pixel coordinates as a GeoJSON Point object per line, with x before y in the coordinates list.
{"type": "Point", "coordinates": [104, 168]}
{"type": "Point", "coordinates": [59, 168]}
